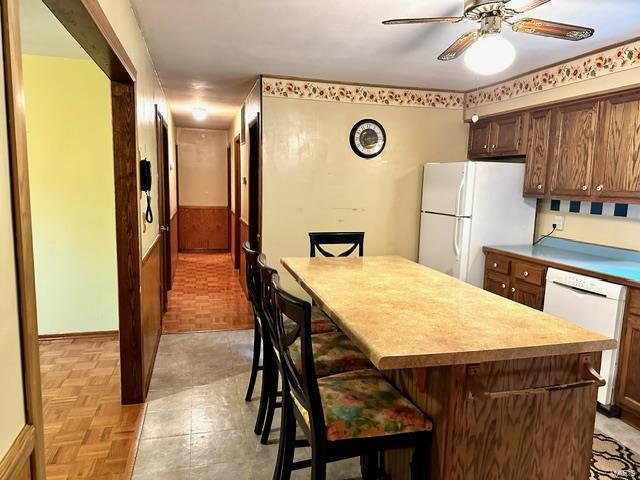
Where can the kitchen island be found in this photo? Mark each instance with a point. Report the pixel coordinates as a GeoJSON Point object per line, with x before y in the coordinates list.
{"type": "Point", "coordinates": [511, 390]}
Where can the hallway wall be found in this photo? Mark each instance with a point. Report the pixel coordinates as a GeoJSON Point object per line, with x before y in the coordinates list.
{"type": "Point", "coordinates": [68, 109]}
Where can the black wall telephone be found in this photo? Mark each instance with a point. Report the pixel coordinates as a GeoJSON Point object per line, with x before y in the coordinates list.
{"type": "Point", "coordinates": [145, 186]}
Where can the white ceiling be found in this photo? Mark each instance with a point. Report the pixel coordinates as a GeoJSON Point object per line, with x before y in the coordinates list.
{"type": "Point", "coordinates": [43, 34]}
{"type": "Point", "coordinates": [210, 51]}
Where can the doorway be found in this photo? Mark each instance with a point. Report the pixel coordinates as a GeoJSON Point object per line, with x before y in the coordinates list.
{"type": "Point", "coordinates": [255, 185]}
{"type": "Point", "coordinates": [164, 220]}
{"type": "Point", "coordinates": [237, 204]}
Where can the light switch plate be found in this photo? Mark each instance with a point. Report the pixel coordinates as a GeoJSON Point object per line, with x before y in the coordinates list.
{"type": "Point", "coordinates": [559, 221]}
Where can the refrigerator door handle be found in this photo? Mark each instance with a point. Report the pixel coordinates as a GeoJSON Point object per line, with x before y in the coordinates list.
{"type": "Point", "coordinates": [456, 234]}
{"type": "Point", "coordinates": [459, 196]}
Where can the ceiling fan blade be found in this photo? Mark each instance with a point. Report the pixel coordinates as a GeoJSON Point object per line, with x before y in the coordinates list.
{"type": "Point", "coordinates": [530, 5]}
{"type": "Point", "coordinates": [407, 21]}
{"type": "Point", "coordinates": [552, 29]}
{"type": "Point", "coordinates": [459, 46]}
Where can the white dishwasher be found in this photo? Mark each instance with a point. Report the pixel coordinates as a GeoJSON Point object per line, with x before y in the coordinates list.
{"type": "Point", "coordinates": [595, 305]}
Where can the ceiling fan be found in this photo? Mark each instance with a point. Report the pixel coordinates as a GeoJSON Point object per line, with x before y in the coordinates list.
{"type": "Point", "coordinates": [491, 14]}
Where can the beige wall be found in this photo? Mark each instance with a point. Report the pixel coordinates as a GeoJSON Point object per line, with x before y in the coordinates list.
{"type": "Point", "coordinates": [616, 232]}
{"type": "Point", "coordinates": [202, 167]}
{"type": "Point", "coordinates": [312, 181]}
{"type": "Point", "coordinates": [12, 415]}
{"type": "Point", "coordinates": [149, 92]}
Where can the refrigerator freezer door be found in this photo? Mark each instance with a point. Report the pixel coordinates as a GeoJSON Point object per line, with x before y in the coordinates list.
{"type": "Point", "coordinates": [444, 244]}
{"type": "Point", "coordinates": [447, 188]}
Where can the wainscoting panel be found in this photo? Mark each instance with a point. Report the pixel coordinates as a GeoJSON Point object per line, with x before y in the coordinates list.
{"type": "Point", "coordinates": [16, 463]}
{"type": "Point", "coordinates": [204, 228]}
{"type": "Point", "coordinates": [173, 230]}
{"type": "Point", "coordinates": [233, 237]}
{"type": "Point", "coordinates": [151, 310]}
{"type": "Point", "coordinates": [244, 236]}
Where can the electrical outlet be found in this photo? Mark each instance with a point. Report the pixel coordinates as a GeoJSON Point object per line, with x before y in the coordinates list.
{"type": "Point", "coordinates": [559, 221]}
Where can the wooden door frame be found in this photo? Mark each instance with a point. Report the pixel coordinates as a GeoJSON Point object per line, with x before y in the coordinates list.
{"type": "Point", "coordinates": [237, 181]}
{"type": "Point", "coordinates": [255, 184]}
{"type": "Point", "coordinates": [229, 197]}
{"type": "Point", "coordinates": [164, 205]}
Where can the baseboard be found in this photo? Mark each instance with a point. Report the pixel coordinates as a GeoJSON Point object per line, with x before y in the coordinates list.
{"type": "Point", "coordinates": [128, 472]}
{"type": "Point", "coordinates": [630, 418]}
{"type": "Point", "coordinates": [99, 334]}
{"type": "Point", "coordinates": [16, 461]}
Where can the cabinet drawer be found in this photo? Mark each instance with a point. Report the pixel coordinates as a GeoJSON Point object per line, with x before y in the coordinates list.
{"type": "Point", "coordinates": [527, 294]}
{"type": "Point", "coordinates": [498, 263]}
{"type": "Point", "coordinates": [529, 273]}
{"type": "Point", "coordinates": [497, 283]}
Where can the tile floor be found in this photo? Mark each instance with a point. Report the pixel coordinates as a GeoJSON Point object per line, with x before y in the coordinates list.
{"type": "Point", "coordinates": [622, 432]}
{"type": "Point", "coordinates": [206, 295]}
{"type": "Point", "coordinates": [198, 425]}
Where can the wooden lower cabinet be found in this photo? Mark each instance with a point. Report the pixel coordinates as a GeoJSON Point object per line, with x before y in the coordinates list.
{"type": "Point", "coordinates": [516, 280]}
{"type": "Point", "coordinates": [628, 387]}
{"type": "Point", "coordinates": [527, 294]}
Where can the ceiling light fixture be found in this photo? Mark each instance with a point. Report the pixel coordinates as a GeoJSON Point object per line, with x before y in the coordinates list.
{"type": "Point", "coordinates": [491, 54]}
{"type": "Point", "coordinates": [199, 113]}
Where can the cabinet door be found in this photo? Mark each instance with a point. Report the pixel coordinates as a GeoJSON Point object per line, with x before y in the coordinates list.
{"type": "Point", "coordinates": [574, 149]}
{"type": "Point", "coordinates": [526, 294]}
{"type": "Point", "coordinates": [479, 139]}
{"type": "Point", "coordinates": [506, 135]}
{"type": "Point", "coordinates": [628, 391]}
{"type": "Point", "coordinates": [535, 179]}
{"type": "Point", "coordinates": [496, 283]}
{"type": "Point", "coordinates": [616, 169]}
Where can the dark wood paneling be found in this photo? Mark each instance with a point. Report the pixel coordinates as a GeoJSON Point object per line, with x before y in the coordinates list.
{"type": "Point", "coordinates": [616, 170]}
{"type": "Point", "coordinates": [233, 238]}
{"type": "Point", "coordinates": [546, 436]}
{"type": "Point", "coordinates": [573, 154]}
{"type": "Point", "coordinates": [535, 180]}
{"type": "Point", "coordinates": [151, 300]}
{"type": "Point", "coordinates": [174, 226]}
{"type": "Point", "coordinates": [628, 387]}
{"type": "Point", "coordinates": [204, 228]}
{"type": "Point", "coordinates": [244, 236]}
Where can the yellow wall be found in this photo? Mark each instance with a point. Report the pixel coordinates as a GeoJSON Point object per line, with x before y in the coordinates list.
{"type": "Point", "coordinates": [203, 167]}
{"type": "Point", "coordinates": [12, 417]}
{"type": "Point", "coordinates": [312, 181]}
{"type": "Point", "coordinates": [149, 92]}
{"type": "Point", "coordinates": [615, 232]}
{"type": "Point", "coordinates": [69, 139]}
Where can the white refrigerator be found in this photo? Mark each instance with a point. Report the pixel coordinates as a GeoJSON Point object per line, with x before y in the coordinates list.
{"type": "Point", "coordinates": [467, 205]}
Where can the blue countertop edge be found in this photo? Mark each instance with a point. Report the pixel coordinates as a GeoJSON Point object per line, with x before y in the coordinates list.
{"type": "Point", "coordinates": [610, 261]}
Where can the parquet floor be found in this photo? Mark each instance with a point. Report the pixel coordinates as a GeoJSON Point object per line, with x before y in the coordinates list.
{"type": "Point", "coordinates": [206, 295]}
{"type": "Point", "coordinates": [88, 434]}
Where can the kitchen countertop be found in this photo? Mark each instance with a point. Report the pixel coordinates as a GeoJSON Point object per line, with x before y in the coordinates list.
{"type": "Point", "coordinates": [608, 261]}
{"type": "Point", "coordinates": [404, 315]}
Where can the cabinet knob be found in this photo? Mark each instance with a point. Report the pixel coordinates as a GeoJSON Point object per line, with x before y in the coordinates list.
{"type": "Point", "coordinates": [493, 146]}
{"type": "Point", "coordinates": [600, 188]}
{"type": "Point", "coordinates": [513, 289]}
{"type": "Point", "coordinates": [539, 187]}
{"type": "Point", "coordinates": [526, 274]}
{"type": "Point", "coordinates": [495, 265]}
{"type": "Point", "coordinates": [585, 188]}
{"type": "Point", "coordinates": [484, 146]}
{"type": "Point", "coordinates": [504, 286]}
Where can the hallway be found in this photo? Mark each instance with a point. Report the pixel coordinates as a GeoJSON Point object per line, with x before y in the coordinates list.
{"type": "Point", "coordinates": [206, 295]}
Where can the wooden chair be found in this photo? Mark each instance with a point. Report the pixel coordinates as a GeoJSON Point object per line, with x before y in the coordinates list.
{"type": "Point", "coordinates": [352, 239]}
{"type": "Point", "coordinates": [335, 353]}
{"type": "Point", "coordinates": [324, 408]}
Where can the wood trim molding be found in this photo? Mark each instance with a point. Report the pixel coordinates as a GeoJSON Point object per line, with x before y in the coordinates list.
{"type": "Point", "coordinates": [71, 335]}
{"type": "Point", "coordinates": [244, 222]}
{"type": "Point", "coordinates": [204, 207]}
{"type": "Point", "coordinates": [133, 454]}
{"type": "Point", "coordinates": [150, 250]}
{"type": "Point", "coordinates": [19, 172]}
{"type": "Point", "coordinates": [18, 454]}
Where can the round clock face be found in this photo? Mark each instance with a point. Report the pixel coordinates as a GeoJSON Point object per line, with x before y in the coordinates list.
{"type": "Point", "coordinates": [367, 138]}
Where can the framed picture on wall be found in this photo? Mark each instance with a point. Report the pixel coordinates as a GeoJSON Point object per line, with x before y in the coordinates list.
{"type": "Point", "coordinates": [243, 125]}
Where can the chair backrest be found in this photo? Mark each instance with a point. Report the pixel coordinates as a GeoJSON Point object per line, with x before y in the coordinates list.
{"type": "Point", "coordinates": [303, 384]}
{"type": "Point", "coordinates": [252, 275]}
{"type": "Point", "coordinates": [352, 239]}
{"type": "Point", "coordinates": [266, 297]}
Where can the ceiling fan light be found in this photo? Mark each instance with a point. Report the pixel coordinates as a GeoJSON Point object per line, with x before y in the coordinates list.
{"type": "Point", "coordinates": [491, 54]}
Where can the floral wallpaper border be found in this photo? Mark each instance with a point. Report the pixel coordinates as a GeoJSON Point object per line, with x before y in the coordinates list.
{"type": "Point", "coordinates": [337, 92]}
{"type": "Point", "coordinates": [610, 61]}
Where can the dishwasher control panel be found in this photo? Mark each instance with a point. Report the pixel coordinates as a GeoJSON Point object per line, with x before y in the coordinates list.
{"type": "Point", "coordinates": [584, 283]}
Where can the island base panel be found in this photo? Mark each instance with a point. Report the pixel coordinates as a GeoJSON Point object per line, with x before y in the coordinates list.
{"type": "Point", "coordinates": [530, 433]}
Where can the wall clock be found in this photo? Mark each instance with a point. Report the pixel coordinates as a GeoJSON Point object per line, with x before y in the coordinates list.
{"type": "Point", "coordinates": [367, 138]}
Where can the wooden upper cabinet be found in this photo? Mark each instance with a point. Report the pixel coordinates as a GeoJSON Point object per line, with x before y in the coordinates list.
{"type": "Point", "coordinates": [616, 168]}
{"type": "Point", "coordinates": [572, 159]}
{"type": "Point", "coordinates": [506, 135]}
{"type": "Point", "coordinates": [479, 139]}
{"type": "Point", "coordinates": [535, 180]}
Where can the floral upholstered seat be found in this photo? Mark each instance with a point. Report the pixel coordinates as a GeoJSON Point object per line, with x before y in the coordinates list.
{"type": "Point", "coordinates": [332, 353]}
{"type": "Point", "coordinates": [320, 323]}
{"type": "Point", "coordinates": [363, 404]}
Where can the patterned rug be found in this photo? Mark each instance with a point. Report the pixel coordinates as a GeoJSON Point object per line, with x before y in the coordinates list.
{"type": "Point", "coordinates": [613, 461]}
